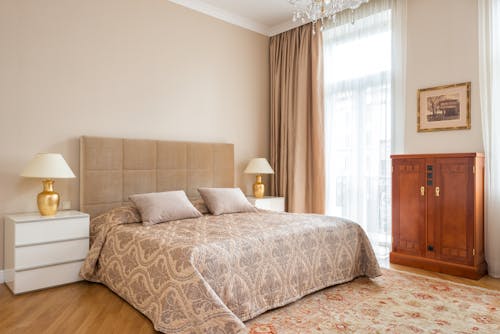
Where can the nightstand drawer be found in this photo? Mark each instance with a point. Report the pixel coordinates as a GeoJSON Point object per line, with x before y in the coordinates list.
{"type": "Point", "coordinates": [268, 203]}
{"type": "Point", "coordinates": [53, 253]}
{"type": "Point", "coordinates": [45, 277]}
{"type": "Point", "coordinates": [50, 231]}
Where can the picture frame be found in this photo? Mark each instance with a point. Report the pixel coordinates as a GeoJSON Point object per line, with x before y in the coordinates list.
{"type": "Point", "coordinates": [444, 108]}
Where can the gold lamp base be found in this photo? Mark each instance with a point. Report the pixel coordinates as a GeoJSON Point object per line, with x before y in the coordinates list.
{"type": "Point", "coordinates": [258, 187]}
{"type": "Point", "coordinates": [48, 199]}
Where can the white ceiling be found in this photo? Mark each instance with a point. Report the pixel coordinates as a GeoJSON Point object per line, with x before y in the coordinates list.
{"type": "Point", "coordinates": [268, 17]}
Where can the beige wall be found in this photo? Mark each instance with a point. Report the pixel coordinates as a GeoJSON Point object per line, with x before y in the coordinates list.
{"type": "Point", "coordinates": [152, 69]}
{"type": "Point", "coordinates": [122, 68]}
{"type": "Point", "coordinates": [442, 49]}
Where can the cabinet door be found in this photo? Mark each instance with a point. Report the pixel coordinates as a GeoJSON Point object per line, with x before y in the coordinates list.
{"type": "Point", "coordinates": [451, 210]}
{"type": "Point", "coordinates": [408, 206]}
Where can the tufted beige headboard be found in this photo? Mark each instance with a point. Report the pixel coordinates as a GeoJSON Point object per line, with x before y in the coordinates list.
{"type": "Point", "coordinates": [111, 169]}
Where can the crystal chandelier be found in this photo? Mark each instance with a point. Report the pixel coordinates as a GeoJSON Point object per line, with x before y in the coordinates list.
{"type": "Point", "coordinates": [321, 10]}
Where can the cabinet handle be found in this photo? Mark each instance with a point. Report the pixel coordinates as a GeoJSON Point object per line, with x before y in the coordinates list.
{"type": "Point", "coordinates": [422, 191]}
{"type": "Point", "coordinates": [437, 191]}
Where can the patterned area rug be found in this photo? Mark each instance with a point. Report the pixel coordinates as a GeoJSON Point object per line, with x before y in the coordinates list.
{"type": "Point", "coordinates": [393, 303]}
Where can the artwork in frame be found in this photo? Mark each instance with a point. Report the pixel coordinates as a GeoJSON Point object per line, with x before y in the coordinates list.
{"type": "Point", "coordinates": [444, 108]}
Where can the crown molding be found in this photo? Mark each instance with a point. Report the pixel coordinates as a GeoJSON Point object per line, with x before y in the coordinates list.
{"type": "Point", "coordinates": [224, 15]}
{"type": "Point", "coordinates": [284, 26]}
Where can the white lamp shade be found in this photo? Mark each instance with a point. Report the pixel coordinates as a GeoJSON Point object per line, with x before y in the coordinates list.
{"type": "Point", "coordinates": [258, 166]}
{"type": "Point", "coordinates": [48, 166]}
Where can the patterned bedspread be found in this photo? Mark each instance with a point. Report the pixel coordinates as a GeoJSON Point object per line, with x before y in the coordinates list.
{"type": "Point", "coordinates": [209, 274]}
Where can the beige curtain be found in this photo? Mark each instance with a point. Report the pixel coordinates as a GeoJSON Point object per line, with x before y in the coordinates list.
{"type": "Point", "coordinates": [297, 134]}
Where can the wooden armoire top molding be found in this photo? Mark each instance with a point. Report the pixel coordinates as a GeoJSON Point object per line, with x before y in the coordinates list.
{"type": "Point", "coordinates": [437, 155]}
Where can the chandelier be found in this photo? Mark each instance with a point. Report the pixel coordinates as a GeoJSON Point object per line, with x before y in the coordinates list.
{"type": "Point", "coordinates": [321, 10]}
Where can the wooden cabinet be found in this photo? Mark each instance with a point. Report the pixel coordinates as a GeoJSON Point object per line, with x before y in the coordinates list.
{"type": "Point", "coordinates": [437, 213]}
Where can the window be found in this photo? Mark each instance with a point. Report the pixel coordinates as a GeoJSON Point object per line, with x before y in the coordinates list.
{"type": "Point", "coordinates": [357, 62]}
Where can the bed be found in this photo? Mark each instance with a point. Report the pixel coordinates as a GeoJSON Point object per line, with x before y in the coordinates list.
{"type": "Point", "coordinates": [207, 274]}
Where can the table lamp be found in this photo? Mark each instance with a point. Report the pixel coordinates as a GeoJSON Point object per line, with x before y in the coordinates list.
{"type": "Point", "coordinates": [258, 166]}
{"type": "Point", "coordinates": [48, 166]}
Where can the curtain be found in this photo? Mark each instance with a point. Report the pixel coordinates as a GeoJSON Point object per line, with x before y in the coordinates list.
{"type": "Point", "coordinates": [398, 75]}
{"type": "Point", "coordinates": [489, 90]}
{"type": "Point", "coordinates": [296, 135]}
{"type": "Point", "coordinates": [364, 69]}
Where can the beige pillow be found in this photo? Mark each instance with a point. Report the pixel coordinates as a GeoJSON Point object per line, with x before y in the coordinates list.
{"type": "Point", "coordinates": [225, 200]}
{"type": "Point", "coordinates": [163, 207]}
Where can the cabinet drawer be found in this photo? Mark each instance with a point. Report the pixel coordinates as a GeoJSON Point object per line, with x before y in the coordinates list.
{"type": "Point", "coordinates": [49, 231]}
{"type": "Point", "coordinates": [52, 253]}
{"type": "Point", "coordinates": [46, 277]}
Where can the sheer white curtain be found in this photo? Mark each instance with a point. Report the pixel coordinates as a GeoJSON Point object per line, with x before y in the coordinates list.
{"type": "Point", "coordinates": [489, 87]}
{"type": "Point", "coordinates": [359, 128]}
{"type": "Point", "coordinates": [398, 69]}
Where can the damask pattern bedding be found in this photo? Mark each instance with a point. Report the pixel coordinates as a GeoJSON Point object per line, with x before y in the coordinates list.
{"type": "Point", "coordinates": [209, 274]}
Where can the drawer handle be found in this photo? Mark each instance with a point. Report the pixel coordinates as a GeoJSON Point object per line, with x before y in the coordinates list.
{"type": "Point", "coordinates": [437, 191]}
{"type": "Point", "coordinates": [422, 191]}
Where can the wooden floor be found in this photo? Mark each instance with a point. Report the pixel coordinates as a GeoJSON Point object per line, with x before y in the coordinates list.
{"type": "Point", "coordinates": [92, 308]}
{"type": "Point", "coordinates": [75, 308]}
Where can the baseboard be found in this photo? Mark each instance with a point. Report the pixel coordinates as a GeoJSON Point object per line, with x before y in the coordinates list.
{"type": "Point", "coordinates": [1, 277]}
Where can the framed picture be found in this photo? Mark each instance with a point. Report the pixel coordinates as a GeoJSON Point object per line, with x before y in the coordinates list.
{"type": "Point", "coordinates": [444, 108]}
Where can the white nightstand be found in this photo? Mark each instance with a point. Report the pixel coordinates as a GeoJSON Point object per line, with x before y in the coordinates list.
{"type": "Point", "coordinates": [41, 252]}
{"type": "Point", "coordinates": [268, 203]}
